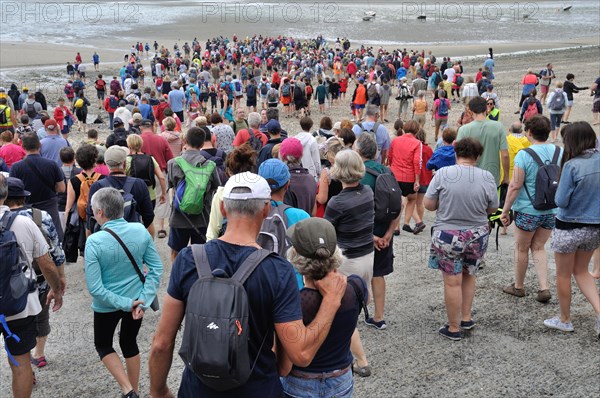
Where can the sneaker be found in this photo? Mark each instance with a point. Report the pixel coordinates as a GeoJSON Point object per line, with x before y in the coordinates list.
{"type": "Point", "coordinates": [39, 362]}
{"type": "Point", "coordinates": [512, 290]}
{"type": "Point", "coordinates": [377, 325]}
{"type": "Point", "coordinates": [543, 296]}
{"type": "Point", "coordinates": [555, 323]}
{"type": "Point", "coordinates": [454, 336]}
{"type": "Point", "coordinates": [419, 228]}
{"type": "Point", "coordinates": [407, 228]}
{"type": "Point", "coordinates": [467, 325]}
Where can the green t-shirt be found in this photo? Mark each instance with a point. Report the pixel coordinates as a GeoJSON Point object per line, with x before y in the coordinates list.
{"type": "Point", "coordinates": [493, 138]}
{"type": "Point", "coordinates": [379, 229]}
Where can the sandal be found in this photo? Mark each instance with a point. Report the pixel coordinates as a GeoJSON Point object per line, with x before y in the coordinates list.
{"type": "Point", "coordinates": [39, 362]}
{"type": "Point", "coordinates": [162, 234]}
{"type": "Point", "coordinates": [362, 371]}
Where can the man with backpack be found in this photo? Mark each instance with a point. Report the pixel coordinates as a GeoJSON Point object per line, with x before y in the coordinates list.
{"type": "Point", "coordinates": [119, 134]}
{"type": "Point", "coordinates": [194, 180]}
{"type": "Point", "coordinates": [31, 107]}
{"type": "Point", "coordinates": [274, 308]}
{"type": "Point", "coordinates": [251, 97]}
{"type": "Point", "coordinates": [134, 191]}
{"type": "Point", "coordinates": [378, 130]}
{"type": "Point", "coordinates": [252, 134]}
{"type": "Point", "coordinates": [16, 203]}
{"type": "Point", "coordinates": [111, 103]}
{"type": "Point", "coordinates": [23, 243]}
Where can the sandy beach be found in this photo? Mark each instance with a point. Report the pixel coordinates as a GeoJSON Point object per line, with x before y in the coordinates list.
{"type": "Point", "coordinates": [510, 353]}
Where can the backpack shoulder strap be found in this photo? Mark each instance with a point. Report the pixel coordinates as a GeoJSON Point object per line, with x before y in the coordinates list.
{"type": "Point", "coordinates": [535, 156]}
{"type": "Point", "coordinates": [373, 172]}
{"type": "Point", "coordinates": [250, 264]}
{"type": "Point", "coordinates": [201, 261]}
{"type": "Point", "coordinates": [359, 295]}
{"type": "Point", "coordinates": [128, 184]}
{"type": "Point", "coordinates": [36, 215]}
{"type": "Point", "coordinates": [7, 220]}
{"type": "Point", "coordinates": [556, 155]}
{"type": "Point", "coordinates": [361, 126]}
{"type": "Point", "coordinates": [375, 127]}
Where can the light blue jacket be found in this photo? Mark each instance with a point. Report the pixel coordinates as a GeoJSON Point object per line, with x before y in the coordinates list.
{"type": "Point", "coordinates": [578, 189]}
{"type": "Point", "coordinates": [111, 279]}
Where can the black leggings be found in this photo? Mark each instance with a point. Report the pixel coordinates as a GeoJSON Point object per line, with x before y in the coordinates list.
{"type": "Point", "coordinates": [104, 329]}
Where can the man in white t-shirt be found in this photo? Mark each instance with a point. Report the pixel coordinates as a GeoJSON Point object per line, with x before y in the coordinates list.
{"type": "Point", "coordinates": [450, 72]}
{"type": "Point", "coordinates": [34, 247]}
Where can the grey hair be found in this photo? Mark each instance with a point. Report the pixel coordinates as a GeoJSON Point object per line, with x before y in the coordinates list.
{"type": "Point", "coordinates": [291, 160]}
{"type": "Point", "coordinates": [3, 187]}
{"type": "Point", "coordinates": [372, 110]}
{"type": "Point", "coordinates": [421, 94]}
{"type": "Point", "coordinates": [366, 146]}
{"type": "Point", "coordinates": [315, 268]}
{"type": "Point", "coordinates": [244, 208]}
{"type": "Point", "coordinates": [110, 201]}
{"type": "Point", "coordinates": [348, 168]}
{"type": "Point", "coordinates": [254, 119]}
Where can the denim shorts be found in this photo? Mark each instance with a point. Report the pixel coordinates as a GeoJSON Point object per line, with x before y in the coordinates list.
{"type": "Point", "coordinates": [529, 222]}
{"type": "Point", "coordinates": [458, 251]}
{"type": "Point", "coordinates": [334, 387]}
{"type": "Point", "coordinates": [555, 119]}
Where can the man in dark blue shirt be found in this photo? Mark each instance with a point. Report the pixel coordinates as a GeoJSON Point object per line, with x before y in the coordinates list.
{"type": "Point", "coordinates": [42, 177]}
{"type": "Point", "coordinates": [274, 301]}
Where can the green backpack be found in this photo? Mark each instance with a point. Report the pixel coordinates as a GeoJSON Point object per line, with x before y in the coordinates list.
{"type": "Point", "coordinates": [189, 194]}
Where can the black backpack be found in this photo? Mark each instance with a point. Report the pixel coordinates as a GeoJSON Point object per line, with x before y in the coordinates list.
{"type": "Point", "coordinates": [388, 196]}
{"type": "Point", "coordinates": [30, 110]}
{"type": "Point", "coordinates": [254, 141]}
{"type": "Point", "coordinates": [3, 116]}
{"type": "Point", "coordinates": [546, 181]}
{"type": "Point", "coordinates": [142, 167]}
{"type": "Point", "coordinates": [215, 338]}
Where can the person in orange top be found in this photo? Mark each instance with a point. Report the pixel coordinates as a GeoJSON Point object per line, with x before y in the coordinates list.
{"type": "Point", "coordinates": [529, 82]}
{"type": "Point", "coordinates": [359, 98]}
{"type": "Point", "coordinates": [420, 108]}
{"type": "Point", "coordinates": [405, 159]}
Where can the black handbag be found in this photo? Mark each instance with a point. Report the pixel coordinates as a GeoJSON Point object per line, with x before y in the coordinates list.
{"type": "Point", "coordinates": [155, 304]}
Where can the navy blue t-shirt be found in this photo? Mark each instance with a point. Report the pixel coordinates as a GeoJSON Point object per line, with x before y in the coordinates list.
{"type": "Point", "coordinates": [335, 353]}
{"type": "Point", "coordinates": [273, 298]}
{"type": "Point", "coordinates": [41, 190]}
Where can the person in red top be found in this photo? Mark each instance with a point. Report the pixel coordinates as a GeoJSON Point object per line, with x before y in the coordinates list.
{"type": "Point", "coordinates": [111, 108]}
{"type": "Point", "coordinates": [275, 79]}
{"type": "Point", "coordinates": [60, 114]}
{"type": "Point", "coordinates": [343, 87]}
{"type": "Point", "coordinates": [159, 113]}
{"type": "Point", "coordinates": [405, 160]}
{"type": "Point", "coordinates": [351, 69]}
{"type": "Point", "coordinates": [243, 135]}
{"type": "Point", "coordinates": [425, 177]}
{"type": "Point", "coordinates": [11, 153]}
{"type": "Point", "coordinates": [78, 58]}
{"type": "Point", "coordinates": [155, 145]}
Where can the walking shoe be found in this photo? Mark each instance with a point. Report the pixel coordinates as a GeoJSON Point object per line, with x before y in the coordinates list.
{"type": "Point", "coordinates": [454, 336]}
{"type": "Point", "coordinates": [467, 325]}
{"type": "Point", "coordinates": [511, 289]}
{"type": "Point", "coordinates": [130, 394]}
{"type": "Point", "coordinates": [555, 323]}
{"type": "Point", "coordinates": [419, 228]}
{"type": "Point", "coordinates": [598, 326]}
{"type": "Point", "coordinates": [377, 325]}
{"type": "Point", "coordinates": [543, 296]}
{"type": "Point", "coordinates": [362, 371]}
{"type": "Point", "coordinates": [39, 362]}
{"type": "Point", "coordinates": [407, 228]}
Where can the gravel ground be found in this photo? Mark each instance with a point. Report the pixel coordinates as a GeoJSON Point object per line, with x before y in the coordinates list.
{"type": "Point", "coordinates": [510, 352]}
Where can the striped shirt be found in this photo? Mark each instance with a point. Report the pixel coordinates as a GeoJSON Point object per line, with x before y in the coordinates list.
{"type": "Point", "coordinates": [352, 212]}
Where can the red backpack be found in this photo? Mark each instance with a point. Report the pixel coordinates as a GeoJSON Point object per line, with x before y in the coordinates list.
{"type": "Point", "coordinates": [531, 110]}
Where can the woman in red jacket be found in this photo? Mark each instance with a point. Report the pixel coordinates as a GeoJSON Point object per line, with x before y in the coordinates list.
{"type": "Point", "coordinates": [61, 114]}
{"type": "Point", "coordinates": [405, 159]}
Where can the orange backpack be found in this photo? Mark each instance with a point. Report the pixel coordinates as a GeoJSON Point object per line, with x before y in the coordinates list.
{"type": "Point", "coordinates": [84, 190]}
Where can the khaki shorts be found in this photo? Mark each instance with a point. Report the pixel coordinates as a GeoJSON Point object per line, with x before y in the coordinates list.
{"type": "Point", "coordinates": [361, 266]}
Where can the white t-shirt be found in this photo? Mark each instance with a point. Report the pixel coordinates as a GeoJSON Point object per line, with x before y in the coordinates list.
{"type": "Point", "coordinates": [33, 245]}
{"type": "Point", "coordinates": [450, 72]}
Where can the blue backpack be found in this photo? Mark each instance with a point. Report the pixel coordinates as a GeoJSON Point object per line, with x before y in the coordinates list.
{"type": "Point", "coordinates": [443, 107]}
{"type": "Point", "coordinates": [14, 284]}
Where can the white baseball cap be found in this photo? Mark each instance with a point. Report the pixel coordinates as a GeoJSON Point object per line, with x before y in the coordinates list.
{"type": "Point", "coordinates": [259, 187]}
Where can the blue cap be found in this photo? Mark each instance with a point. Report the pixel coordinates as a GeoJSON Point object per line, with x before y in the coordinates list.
{"type": "Point", "coordinates": [275, 172]}
{"type": "Point", "coordinates": [273, 127]}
